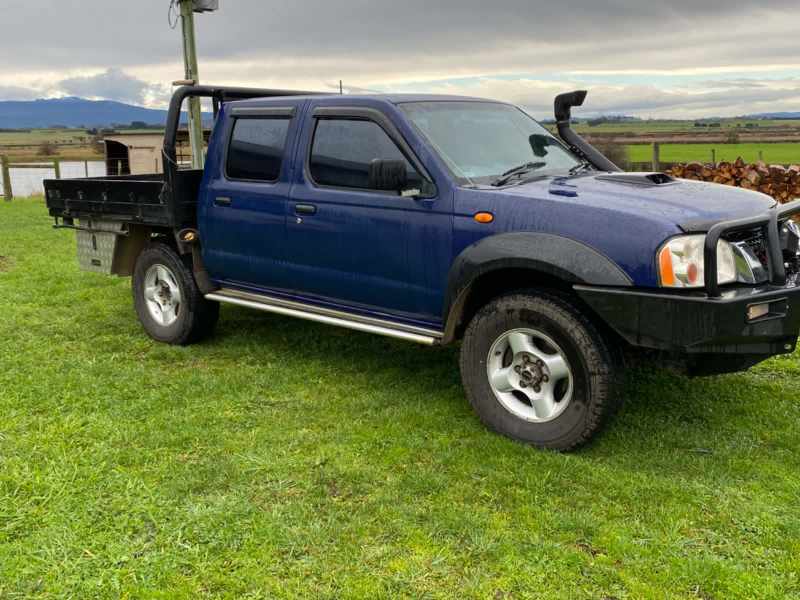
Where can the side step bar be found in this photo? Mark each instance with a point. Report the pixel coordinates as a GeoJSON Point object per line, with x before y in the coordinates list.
{"type": "Point", "coordinates": [420, 335]}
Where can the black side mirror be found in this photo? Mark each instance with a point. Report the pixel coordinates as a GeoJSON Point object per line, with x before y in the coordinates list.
{"type": "Point", "coordinates": [388, 175]}
{"type": "Point", "coordinates": [539, 144]}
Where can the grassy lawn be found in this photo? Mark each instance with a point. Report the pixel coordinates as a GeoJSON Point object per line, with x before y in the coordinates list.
{"type": "Point", "coordinates": [65, 153]}
{"type": "Point", "coordinates": [670, 126]}
{"type": "Point", "coordinates": [286, 459]}
{"type": "Point", "coordinates": [780, 153]}
{"type": "Point", "coordinates": [35, 137]}
{"type": "Point", "coordinates": [78, 144]}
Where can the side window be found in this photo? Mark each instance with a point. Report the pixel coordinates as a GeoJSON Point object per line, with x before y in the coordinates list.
{"type": "Point", "coordinates": [256, 148]}
{"type": "Point", "coordinates": [344, 148]}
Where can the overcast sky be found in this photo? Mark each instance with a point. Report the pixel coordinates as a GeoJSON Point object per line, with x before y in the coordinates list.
{"type": "Point", "coordinates": [666, 59]}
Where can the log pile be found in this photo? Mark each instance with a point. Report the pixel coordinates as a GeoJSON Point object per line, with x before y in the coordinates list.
{"type": "Point", "coordinates": [782, 183]}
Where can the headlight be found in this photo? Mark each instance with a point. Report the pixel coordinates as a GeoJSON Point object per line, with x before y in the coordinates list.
{"type": "Point", "coordinates": [681, 263]}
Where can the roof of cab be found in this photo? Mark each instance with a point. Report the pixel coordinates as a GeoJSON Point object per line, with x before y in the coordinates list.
{"type": "Point", "coordinates": [378, 98]}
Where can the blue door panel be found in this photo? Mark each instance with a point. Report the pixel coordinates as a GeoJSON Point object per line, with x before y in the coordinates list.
{"type": "Point", "coordinates": [348, 250]}
{"type": "Point", "coordinates": [365, 248]}
{"type": "Point", "coordinates": [244, 241]}
{"type": "Point", "coordinates": [378, 255]}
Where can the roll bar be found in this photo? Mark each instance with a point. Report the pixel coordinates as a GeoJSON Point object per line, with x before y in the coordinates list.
{"type": "Point", "coordinates": [218, 94]}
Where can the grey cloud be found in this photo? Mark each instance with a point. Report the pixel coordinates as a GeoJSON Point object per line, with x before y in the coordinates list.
{"type": "Point", "coordinates": [384, 35]}
{"type": "Point", "coordinates": [380, 44]}
{"type": "Point", "coordinates": [113, 84]}
{"type": "Point", "coordinates": [648, 100]}
{"type": "Point", "coordinates": [10, 92]}
{"type": "Point", "coordinates": [737, 83]}
{"type": "Point", "coordinates": [722, 99]}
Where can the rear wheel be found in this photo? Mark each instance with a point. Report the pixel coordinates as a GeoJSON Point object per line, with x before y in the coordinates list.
{"type": "Point", "coordinates": [168, 302]}
{"type": "Point", "coordinates": [537, 370]}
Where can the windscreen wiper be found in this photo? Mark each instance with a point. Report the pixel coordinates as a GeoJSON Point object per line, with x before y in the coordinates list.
{"type": "Point", "coordinates": [584, 165]}
{"type": "Point", "coordinates": [517, 172]}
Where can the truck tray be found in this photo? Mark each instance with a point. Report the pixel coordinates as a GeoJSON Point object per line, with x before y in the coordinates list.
{"type": "Point", "coordinates": [141, 199]}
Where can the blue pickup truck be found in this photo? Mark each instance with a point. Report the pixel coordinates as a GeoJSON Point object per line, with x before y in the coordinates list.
{"type": "Point", "coordinates": [443, 220]}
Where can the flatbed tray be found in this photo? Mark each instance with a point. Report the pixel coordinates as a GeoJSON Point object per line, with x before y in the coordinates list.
{"type": "Point", "coordinates": [145, 199]}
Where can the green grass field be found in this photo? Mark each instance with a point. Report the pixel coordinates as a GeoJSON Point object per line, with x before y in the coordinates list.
{"type": "Point", "coordinates": [780, 153]}
{"type": "Point", "coordinates": [284, 459]}
{"type": "Point", "coordinates": [35, 137]}
{"type": "Point", "coordinates": [24, 145]}
{"type": "Point", "coordinates": [672, 126]}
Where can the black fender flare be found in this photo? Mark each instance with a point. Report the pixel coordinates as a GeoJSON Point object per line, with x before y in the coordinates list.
{"type": "Point", "coordinates": [564, 258]}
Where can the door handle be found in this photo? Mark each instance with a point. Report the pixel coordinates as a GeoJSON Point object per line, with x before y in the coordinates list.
{"type": "Point", "coordinates": [222, 201]}
{"type": "Point", "coordinates": [305, 209]}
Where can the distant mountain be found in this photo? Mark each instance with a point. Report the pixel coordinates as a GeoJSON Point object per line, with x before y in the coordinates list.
{"type": "Point", "coordinates": [75, 112]}
{"type": "Point", "coordinates": [775, 115]}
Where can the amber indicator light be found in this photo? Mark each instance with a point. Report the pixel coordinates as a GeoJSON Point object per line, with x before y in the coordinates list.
{"type": "Point", "coordinates": [483, 217]}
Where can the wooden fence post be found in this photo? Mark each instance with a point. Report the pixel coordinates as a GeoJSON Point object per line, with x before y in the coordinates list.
{"type": "Point", "coordinates": [656, 156]}
{"type": "Point", "coordinates": [714, 157]}
{"type": "Point", "coordinates": [57, 167]}
{"type": "Point", "coordinates": [9, 194]}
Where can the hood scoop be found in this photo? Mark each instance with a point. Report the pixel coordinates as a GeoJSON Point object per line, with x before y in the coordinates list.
{"type": "Point", "coordinates": [639, 179]}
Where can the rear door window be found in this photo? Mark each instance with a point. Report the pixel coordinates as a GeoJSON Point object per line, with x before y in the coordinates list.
{"type": "Point", "coordinates": [256, 148]}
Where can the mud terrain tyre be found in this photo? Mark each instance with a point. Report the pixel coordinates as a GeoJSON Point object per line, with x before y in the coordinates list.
{"type": "Point", "coordinates": [168, 302]}
{"type": "Point", "coordinates": [537, 370]}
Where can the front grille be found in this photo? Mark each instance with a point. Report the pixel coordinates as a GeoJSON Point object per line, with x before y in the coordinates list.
{"type": "Point", "coordinates": [790, 245]}
{"type": "Point", "coordinates": [776, 242]}
{"type": "Point", "coordinates": [756, 241]}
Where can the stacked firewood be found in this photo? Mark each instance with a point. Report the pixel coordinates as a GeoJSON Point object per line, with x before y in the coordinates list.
{"type": "Point", "coordinates": [782, 183]}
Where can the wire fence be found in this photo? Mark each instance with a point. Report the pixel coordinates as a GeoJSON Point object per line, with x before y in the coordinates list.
{"type": "Point", "coordinates": [24, 178]}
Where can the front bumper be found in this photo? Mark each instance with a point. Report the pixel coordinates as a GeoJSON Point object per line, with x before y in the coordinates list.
{"type": "Point", "coordinates": [697, 323]}
{"type": "Point", "coordinates": [714, 321]}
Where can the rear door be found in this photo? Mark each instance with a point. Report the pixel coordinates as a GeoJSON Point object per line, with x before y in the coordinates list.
{"type": "Point", "coordinates": [357, 247]}
{"type": "Point", "coordinates": [243, 216]}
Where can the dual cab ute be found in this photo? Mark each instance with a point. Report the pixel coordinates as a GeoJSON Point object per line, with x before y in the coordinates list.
{"type": "Point", "coordinates": [443, 219]}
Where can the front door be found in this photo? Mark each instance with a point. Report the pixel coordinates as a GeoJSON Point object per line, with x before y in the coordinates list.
{"type": "Point", "coordinates": [359, 247]}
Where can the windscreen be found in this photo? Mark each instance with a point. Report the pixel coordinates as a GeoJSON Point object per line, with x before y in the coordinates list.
{"type": "Point", "coordinates": [480, 141]}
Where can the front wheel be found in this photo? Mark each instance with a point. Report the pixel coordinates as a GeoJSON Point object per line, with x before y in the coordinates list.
{"type": "Point", "coordinates": [537, 370]}
{"type": "Point", "coordinates": [168, 302]}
